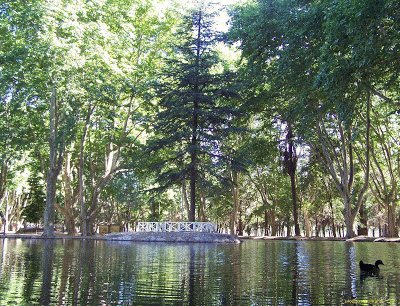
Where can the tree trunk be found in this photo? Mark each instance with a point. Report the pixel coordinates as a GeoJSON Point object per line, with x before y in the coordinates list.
{"type": "Point", "coordinates": [192, 210]}
{"type": "Point", "coordinates": [391, 217]}
{"type": "Point", "coordinates": [332, 216]}
{"type": "Point", "coordinates": [307, 224]}
{"type": "Point", "coordinates": [346, 163]}
{"type": "Point", "coordinates": [265, 221]}
{"type": "Point", "coordinates": [111, 167]}
{"type": "Point", "coordinates": [3, 222]}
{"type": "Point", "coordinates": [202, 207]}
{"type": "Point", "coordinates": [92, 212]}
{"type": "Point", "coordinates": [69, 197]}
{"type": "Point", "coordinates": [240, 225]}
{"type": "Point", "coordinates": [291, 170]}
{"type": "Point", "coordinates": [54, 169]}
{"type": "Point", "coordinates": [363, 228]}
{"type": "Point", "coordinates": [3, 178]}
{"type": "Point", "coordinates": [274, 225]}
{"type": "Point", "coordinates": [288, 228]}
{"type": "Point", "coordinates": [361, 193]}
{"type": "Point", "coordinates": [236, 202]}
{"type": "Point", "coordinates": [81, 197]}
{"type": "Point", "coordinates": [195, 115]}
{"type": "Point", "coordinates": [185, 199]}
{"type": "Point", "coordinates": [348, 218]}
{"type": "Point", "coordinates": [97, 189]}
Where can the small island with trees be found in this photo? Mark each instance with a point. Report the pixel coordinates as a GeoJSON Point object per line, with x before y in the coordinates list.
{"type": "Point", "coordinates": [117, 112]}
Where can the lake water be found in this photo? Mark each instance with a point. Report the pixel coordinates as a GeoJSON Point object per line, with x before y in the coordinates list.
{"type": "Point", "coordinates": [74, 272]}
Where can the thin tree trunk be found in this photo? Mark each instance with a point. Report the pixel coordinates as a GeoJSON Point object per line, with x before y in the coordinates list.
{"type": "Point", "coordinates": [185, 199]}
{"type": "Point", "coordinates": [192, 210]}
{"type": "Point", "coordinates": [3, 178]}
{"type": "Point", "coordinates": [265, 222]}
{"type": "Point", "coordinates": [194, 140]}
{"type": "Point", "coordinates": [307, 224]}
{"type": "Point", "coordinates": [363, 228]}
{"type": "Point", "coordinates": [240, 226]}
{"type": "Point", "coordinates": [54, 169]}
{"type": "Point", "coordinates": [291, 170]}
{"type": "Point", "coordinates": [236, 202]}
{"type": "Point", "coordinates": [272, 221]}
{"type": "Point", "coordinates": [202, 207]}
{"type": "Point", "coordinates": [391, 217]}
{"type": "Point", "coordinates": [81, 197]}
{"type": "Point", "coordinates": [69, 197]}
{"type": "Point", "coordinates": [332, 216]}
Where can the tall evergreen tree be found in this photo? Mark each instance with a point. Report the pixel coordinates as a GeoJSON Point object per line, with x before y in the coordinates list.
{"type": "Point", "coordinates": [33, 212]}
{"type": "Point", "coordinates": [192, 119]}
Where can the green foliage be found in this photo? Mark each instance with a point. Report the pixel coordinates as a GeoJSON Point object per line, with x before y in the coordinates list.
{"type": "Point", "coordinates": [194, 114]}
{"type": "Point", "coordinates": [33, 212]}
{"type": "Point", "coordinates": [309, 62]}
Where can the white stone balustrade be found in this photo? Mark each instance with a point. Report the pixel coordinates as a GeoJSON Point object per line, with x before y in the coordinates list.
{"type": "Point", "coordinates": [206, 227]}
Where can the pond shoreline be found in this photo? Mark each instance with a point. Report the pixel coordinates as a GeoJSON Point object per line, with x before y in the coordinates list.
{"type": "Point", "coordinates": [199, 237]}
{"type": "Point", "coordinates": [181, 237]}
{"type": "Point", "coordinates": [191, 237]}
{"type": "Point", "coordinates": [314, 238]}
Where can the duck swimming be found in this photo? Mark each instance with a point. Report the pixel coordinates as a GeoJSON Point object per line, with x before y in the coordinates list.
{"type": "Point", "coordinates": [368, 268]}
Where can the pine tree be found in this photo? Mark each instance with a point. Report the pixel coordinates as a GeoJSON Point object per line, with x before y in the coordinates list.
{"type": "Point", "coordinates": [33, 212]}
{"type": "Point", "coordinates": [193, 118]}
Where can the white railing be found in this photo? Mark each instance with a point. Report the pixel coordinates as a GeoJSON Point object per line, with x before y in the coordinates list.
{"type": "Point", "coordinates": [207, 227]}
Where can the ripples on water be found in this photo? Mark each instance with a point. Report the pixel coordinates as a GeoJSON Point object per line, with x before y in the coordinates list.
{"type": "Point", "coordinates": [74, 272]}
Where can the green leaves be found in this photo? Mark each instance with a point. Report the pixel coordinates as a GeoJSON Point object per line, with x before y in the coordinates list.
{"type": "Point", "coordinates": [190, 90]}
{"type": "Point", "coordinates": [99, 57]}
{"type": "Point", "coordinates": [33, 212]}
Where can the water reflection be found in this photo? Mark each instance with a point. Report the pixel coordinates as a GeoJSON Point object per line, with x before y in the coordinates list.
{"type": "Point", "coordinates": [47, 266]}
{"type": "Point", "coordinates": [350, 288]}
{"type": "Point", "coordinates": [74, 272]}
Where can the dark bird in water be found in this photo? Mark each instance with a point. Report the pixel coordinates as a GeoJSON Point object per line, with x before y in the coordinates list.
{"type": "Point", "coordinates": [372, 269]}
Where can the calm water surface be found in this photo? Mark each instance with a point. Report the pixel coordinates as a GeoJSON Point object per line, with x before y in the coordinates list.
{"type": "Point", "coordinates": [74, 272]}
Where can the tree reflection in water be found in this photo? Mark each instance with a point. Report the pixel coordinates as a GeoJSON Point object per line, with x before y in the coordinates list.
{"type": "Point", "coordinates": [33, 269]}
{"type": "Point", "coordinates": [191, 298]}
{"type": "Point", "coordinates": [350, 292]}
{"type": "Point", "coordinates": [74, 272]}
{"type": "Point", "coordinates": [47, 268]}
{"type": "Point", "coordinates": [295, 273]}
